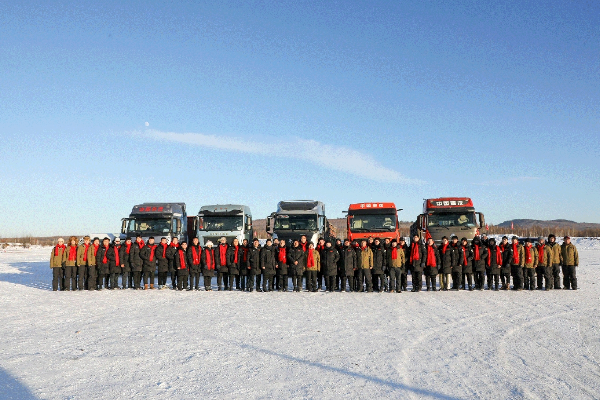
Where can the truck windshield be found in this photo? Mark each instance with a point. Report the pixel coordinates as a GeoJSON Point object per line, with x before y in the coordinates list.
{"type": "Point", "coordinates": [221, 223]}
{"type": "Point", "coordinates": [161, 225]}
{"type": "Point", "coordinates": [466, 219]}
{"type": "Point", "coordinates": [296, 223]}
{"type": "Point", "coordinates": [373, 223]}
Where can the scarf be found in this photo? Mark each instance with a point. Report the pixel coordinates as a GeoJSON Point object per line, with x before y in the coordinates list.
{"type": "Point", "coordinates": [528, 255]}
{"type": "Point", "coordinates": [395, 253]}
{"type": "Point", "coordinates": [464, 249]}
{"type": "Point", "coordinates": [117, 261]}
{"type": "Point", "coordinates": [96, 247]}
{"type": "Point", "coordinates": [444, 248]}
{"type": "Point", "coordinates": [246, 249]}
{"type": "Point", "coordinates": [414, 252]}
{"type": "Point", "coordinates": [182, 259]}
{"type": "Point", "coordinates": [311, 259]}
{"type": "Point", "coordinates": [164, 246]}
{"type": "Point", "coordinates": [431, 262]}
{"type": "Point", "coordinates": [498, 256]}
{"type": "Point", "coordinates": [304, 246]}
{"type": "Point", "coordinates": [223, 254]}
{"type": "Point", "coordinates": [86, 247]}
{"type": "Point", "coordinates": [72, 253]}
{"type": "Point", "coordinates": [282, 255]}
{"type": "Point", "coordinates": [235, 254]}
{"type": "Point", "coordinates": [515, 247]}
{"type": "Point", "coordinates": [477, 255]}
{"type": "Point", "coordinates": [127, 247]}
{"type": "Point", "coordinates": [59, 246]}
{"type": "Point", "coordinates": [152, 248]}
{"type": "Point", "coordinates": [541, 254]}
{"type": "Point", "coordinates": [210, 255]}
{"type": "Point", "coordinates": [174, 245]}
{"type": "Point", "coordinates": [320, 248]}
{"type": "Point", "coordinates": [195, 255]}
{"type": "Point", "coordinates": [104, 259]}
{"type": "Point", "coordinates": [140, 243]}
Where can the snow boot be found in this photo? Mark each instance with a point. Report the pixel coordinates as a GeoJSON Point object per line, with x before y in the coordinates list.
{"type": "Point", "coordinates": [145, 287]}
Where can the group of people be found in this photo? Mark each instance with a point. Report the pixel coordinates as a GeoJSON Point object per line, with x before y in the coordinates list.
{"type": "Point", "coordinates": [366, 266]}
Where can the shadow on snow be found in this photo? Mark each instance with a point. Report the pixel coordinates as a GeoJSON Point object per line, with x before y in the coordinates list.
{"type": "Point", "coordinates": [36, 274]}
{"type": "Point", "coordinates": [11, 388]}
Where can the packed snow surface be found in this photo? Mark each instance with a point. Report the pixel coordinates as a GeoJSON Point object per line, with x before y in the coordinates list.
{"type": "Point", "coordinates": [180, 345]}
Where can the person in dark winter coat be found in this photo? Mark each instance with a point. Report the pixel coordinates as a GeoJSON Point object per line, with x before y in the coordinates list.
{"type": "Point", "coordinates": [297, 260]}
{"type": "Point", "coordinates": [570, 260]}
{"type": "Point", "coordinates": [171, 252]}
{"type": "Point", "coordinates": [162, 262]}
{"type": "Point", "coordinates": [448, 258]}
{"type": "Point", "coordinates": [234, 257]}
{"type": "Point", "coordinates": [85, 258]}
{"type": "Point", "coordinates": [505, 270]}
{"type": "Point", "coordinates": [395, 263]}
{"type": "Point", "coordinates": [404, 277]}
{"type": "Point", "coordinates": [103, 262]}
{"type": "Point", "coordinates": [494, 261]}
{"type": "Point", "coordinates": [417, 259]}
{"type": "Point", "coordinates": [531, 260]}
{"type": "Point", "coordinates": [364, 259]}
{"type": "Point", "coordinates": [329, 259]}
{"type": "Point", "coordinates": [281, 259]}
{"type": "Point", "coordinates": [348, 266]}
{"type": "Point", "coordinates": [56, 260]}
{"type": "Point", "coordinates": [556, 260]}
{"type": "Point", "coordinates": [69, 263]}
{"type": "Point", "coordinates": [147, 255]}
{"type": "Point", "coordinates": [92, 272]}
{"type": "Point", "coordinates": [268, 266]}
{"type": "Point", "coordinates": [193, 254]}
{"type": "Point", "coordinates": [378, 274]}
{"type": "Point", "coordinates": [222, 268]}
{"type": "Point", "coordinates": [457, 263]}
{"type": "Point", "coordinates": [465, 256]}
{"type": "Point", "coordinates": [181, 264]}
{"type": "Point", "coordinates": [244, 269]}
{"type": "Point", "coordinates": [479, 252]}
{"type": "Point", "coordinates": [115, 264]}
{"type": "Point", "coordinates": [544, 266]}
{"type": "Point", "coordinates": [515, 255]}
{"type": "Point", "coordinates": [124, 252]}
{"type": "Point", "coordinates": [320, 248]}
{"type": "Point", "coordinates": [432, 263]}
{"type": "Point", "coordinates": [209, 265]}
{"type": "Point", "coordinates": [136, 262]}
{"type": "Point", "coordinates": [253, 265]}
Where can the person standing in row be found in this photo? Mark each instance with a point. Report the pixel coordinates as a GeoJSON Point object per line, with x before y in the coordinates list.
{"type": "Point", "coordinates": [234, 256]}
{"type": "Point", "coordinates": [171, 253]}
{"type": "Point", "coordinates": [404, 277]}
{"type": "Point", "coordinates": [465, 257]}
{"type": "Point", "coordinates": [193, 254]}
{"type": "Point", "coordinates": [268, 266]}
{"type": "Point", "coordinates": [529, 266]}
{"type": "Point", "coordinates": [244, 270]}
{"type": "Point", "coordinates": [126, 280]}
{"type": "Point", "coordinates": [448, 259]}
{"type": "Point", "coordinates": [281, 259]}
{"type": "Point", "coordinates": [432, 261]}
{"type": "Point", "coordinates": [208, 265]}
{"type": "Point", "coordinates": [378, 275]}
{"type": "Point", "coordinates": [181, 264]}
{"type": "Point", "coordinates": [149, 263]}
{"type": "Point", "coordinates": [162, 263]}
{"type": "Point", "coordinates": [56, 260]}
{"type": "Point", "coordinates": [253, 266]}
{"type": "Point", "coordinates": [103, 264]}
{"type": "Point", "coordinates": [349, 266]}
{"type": "Point", "coordinates": [320, 248]}
{"type": "Point", "coordinates": [313, 265]}
{"type": "Point", "coordinates": [364, 258]}
{"type": "Point", "coordinates": [395, 263]}
{"type": "Point", "coordinates": [505, 270]}
{"type": "Point", "coordinates": [457, 264]}
{"type": "Point", "coordinates": [137, 264]}
{"type": "Point", "coordinates": [417, 263]}
{"type": "Point", "coordinates": [556, 260]}
{"type": "Point", "coordinates": [329, 259]}
{"type": "Point", "coordinates": [69, 263]}
{"type": "Point", "coordinates": [115, 264]}
{"type": "Point", "coordinates": [222, 269]}
{"type": "Point", "coordinates": [85, 258]}
{"type": "Point", "coordinates": [515, 256]}
{"type": "Point", "coordinates": [296, 265]}
{"type": "Point", "coordinates": [544, 266]}
{"type": "Point", "coordinates": [494, 262]}
{"type": "Point", "coordinates": [480, 254]}
{"type": "Point", "coordinates": [570, 261]}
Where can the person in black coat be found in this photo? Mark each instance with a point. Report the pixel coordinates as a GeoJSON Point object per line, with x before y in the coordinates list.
{"type": "Point", "coordinates": [348, 266]}
{"type": "Point", "coordinates": [209, 265]}
{"type": "Point", "coordinates": [244, 269]}
{"type": "Point", "coordinates": [505, 270]}
{"type": "Point", "coordinates": [171, 252]}
{"type": "Point", "coordinates": [404, 277]}
{"type": "Point", "coordinates": [329, 258]}
{"type": "Point", "coordinates": [479, 252]}
{"type": "Point", "coordinates": [416, 260]}
{"type": "Point", "coordinates": [162, 263]}
{"type": "Point", "coordinates": [103, 263]}
{"type": "Point", "coordinates": [253, 265]}
{"type": "Point", "coordinates": [464, 259]}
{"type": "Point", "coordinates": [124, 253]}
{"type": "Point", "coordinates": [222, 268]}
{"type": "Point", "coordinates": [456, 264]}
{"type": "Point", "coordinates": [339, 246]}
{"type": "Point", "coordinates": [115, 263]}
{"type": "Point", "coordinates": [432, 263]}
{"type": "Point", "coordinates": [181, 264]}
{"type": "Point", "coordinates": [268, 266]}
{"type": "Point", "coordinates": [448, 258]}
{"type": "Point", "coordinates": [194, 253]}
{"type": "Point", "coordinates": [147, 255]}
{"type": "Point", "coordinates": [297, 260]}
{"type": "Point", "coordinates": [137, 264]}
{"type": "Point", "coordinates": [281, 258]}
{"type": "Point", "coordinates": [377, 273]}
{"type": "Point", "coordinates": [494, 261]}
{"type": "Point", "coordinates": [234, 257]}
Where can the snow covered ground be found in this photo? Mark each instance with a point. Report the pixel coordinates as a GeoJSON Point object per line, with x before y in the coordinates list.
{"type": "Point", "coordinates": [166, 344]}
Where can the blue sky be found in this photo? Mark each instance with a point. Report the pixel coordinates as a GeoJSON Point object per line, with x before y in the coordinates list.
{"type": "Point", "coordinates": [257, 101]}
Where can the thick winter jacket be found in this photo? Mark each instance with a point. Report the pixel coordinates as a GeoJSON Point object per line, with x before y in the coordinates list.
{"type": "Point", "coordinates": [448, 258]}
{"type": "Point", "coordinates": [115, 253]}
{"type": "Point", "coordinates": [209, 266]}
{"type": "Point", "coordinates": [234, 259]}
{"type": "Point", "coordinates": [103, 260]}
{"type": "Point", "coordinates": [316, 258]}
{"type": "Point", "coordinates": [544, 255]}
{"type": "Point", "coordinates": [378, 259]}
{"type": "Point", "coordinates": [222, 261]}
{"type": "Point", "coordinates": [148, 258]}
{"type": "Point", "coordinates": [267, 260]}
{"type": "Point", "coordinates": [124, 257]}
{"type": "Point", "coordinates": [479, 265]}
{"type": "Point", "coordinates": [465, 255]}
{"type": "Point", "coordinates": [296, 254]}
{"type": "Point", "coordinates": [86, 257]}
{"type": "Point", "coordinates": [162, 257]}
{"type": "Point", "coordinates": [194, 267]}
{"type": "Point", "coordinates": [329, 259]}
{"type": "Point", "coordinates": [66, 261]}
{"type": "Point", "coordinates": [492, 260]}
{"type": "Point", "coordinates": [56, 257]}
{"type": "Point", "coordinates": [171, 253]}
{"type": "Point", "coordinates": [349, 263]}
{"type": "Point", "coordinates": [532, 261]}
{"type": "Point", "coordinates": [397, 262]}
{"type": "Point", "coordinates": [254, 261]}
{"type": "Point", "coordinates": [364, 258]}
{"type": "Point", "coordinates": [135, 260]}
{"type": "Point", "coordinates": [556, 253]}
{"type": "Point", "coordinates": [244, 255]}
{"type": "Point", "coordinates": [431, 266]}
{"type": "Point", "coordinates": [417, 264]}
{"type": "Point", "coordinates": [569, 254]}
{"type": "Point", "coordinates": [282, 259]}
{"type": "Point", "coordinates": [183, 268]}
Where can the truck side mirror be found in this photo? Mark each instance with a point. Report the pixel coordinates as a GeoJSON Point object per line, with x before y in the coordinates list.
{"type": "Point", "coordinates": [178, 226]}
{"type": "Point", "coordinates": [481, 220]}
{"type": "Point", "coordinates": [423, 221]}
{"type": "Point", "coordinates": [269, 225]}
{"type": "Point", "coordinates": [248, 222]}
{"type": "Point", "coordinates": [124, 222]}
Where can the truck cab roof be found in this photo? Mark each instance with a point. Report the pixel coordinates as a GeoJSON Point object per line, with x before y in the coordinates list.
{"type": "Point", "coordinates": [157, 209]}
{"type": "Point", "coordinates": [230, 209]}
{"type": "Point", "coordinates": [301, 206]}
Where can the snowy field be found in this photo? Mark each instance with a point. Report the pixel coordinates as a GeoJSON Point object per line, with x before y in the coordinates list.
{"type": "Point", "coordinates": [180, 345]}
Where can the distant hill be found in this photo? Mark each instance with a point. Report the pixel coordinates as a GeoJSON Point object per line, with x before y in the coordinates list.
{"type": "Point", "coordinates": [555, 223]}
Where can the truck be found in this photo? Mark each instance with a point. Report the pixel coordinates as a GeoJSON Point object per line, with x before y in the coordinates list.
{"type": "Point", "coordinates": [447, 216]}
{"type": "Point", "coordinates": [224, 220]}
{"type": "Point", "coordinates": [295, 218]}
{"type": "Point", "coordinates": [156, 219]}
{"type": "Point", "coordinates": [377, 220]}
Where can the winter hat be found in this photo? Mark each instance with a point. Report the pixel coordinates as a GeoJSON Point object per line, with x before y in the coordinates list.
{"type": "Point", "coordinates": [541, 239]}
{"type": "Point", "coordinates": [567, 237]}
{"type": "Point", "coordinates": [208, 243]}
{"type": "Point", "coordinates": [550, 236]}
{"type": "Point", "coordinates": [394, 241]}
{"type": "Point", "coordinates": [492, 241]}
{"type": "Point", "coordinates": [476, 240]}
{"type": "Point", "coordinates": [504, 237]}
{"type": "Point", "coordinates": [402, 239]}
{"type": "Point", "coordinates": [514, 237]}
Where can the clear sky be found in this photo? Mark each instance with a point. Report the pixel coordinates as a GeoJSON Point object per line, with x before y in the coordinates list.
{"type": "Point", "coordinates": [107, 104]}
